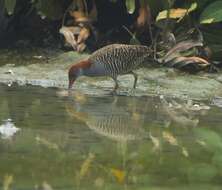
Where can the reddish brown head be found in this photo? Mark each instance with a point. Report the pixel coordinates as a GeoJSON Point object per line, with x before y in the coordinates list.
{"type": "Point", "coordinates": [76, 70]}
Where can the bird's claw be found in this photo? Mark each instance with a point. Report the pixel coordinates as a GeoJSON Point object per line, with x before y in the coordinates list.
{"type": "Point", "coordinates": [114, 93]}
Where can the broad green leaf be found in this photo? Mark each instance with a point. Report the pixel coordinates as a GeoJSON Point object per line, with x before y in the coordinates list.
{"type": "Point", "coordinates": [10, 6]}
{"type": "Point", "coordinates": [202, 3]}
{"type": "Point", "coordinates": [130, 5]}
{"type": "Point", "coordinates": [176, 13]}
{"type": "Point", "coordinates": [213, 13]}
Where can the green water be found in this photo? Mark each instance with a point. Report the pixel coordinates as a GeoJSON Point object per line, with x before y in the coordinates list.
{"type": "Point", "coordinates": [105, 142]}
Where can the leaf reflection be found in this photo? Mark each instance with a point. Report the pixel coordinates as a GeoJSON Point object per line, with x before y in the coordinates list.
{"type": "Point", "coordinates": [8, 180]}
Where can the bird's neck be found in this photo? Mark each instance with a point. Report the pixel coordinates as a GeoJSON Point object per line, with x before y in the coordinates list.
{"type": "Point", "coordinates": [86, 68]}
{"type": "Point", "coordinates": [83, 64]}
{"type": "Point", "coordinates": [80, 67]}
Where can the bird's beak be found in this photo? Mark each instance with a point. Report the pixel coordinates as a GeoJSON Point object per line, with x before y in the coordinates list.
{"type": "Point", "coordinates": [71, 81]}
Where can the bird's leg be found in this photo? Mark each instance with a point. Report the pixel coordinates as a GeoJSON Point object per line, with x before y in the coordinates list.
{"type": "Point", "coordinates": [135, 78]}
{"type": "Point", "coordinates": [116, 85]}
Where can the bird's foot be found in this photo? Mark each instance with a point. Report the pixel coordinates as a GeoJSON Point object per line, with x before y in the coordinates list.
{"type": "Point", "coordinates": [114, 93]}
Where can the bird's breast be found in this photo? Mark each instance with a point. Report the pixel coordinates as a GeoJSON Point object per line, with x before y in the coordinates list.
{"type": "Point", "coordinates": [95, 70]}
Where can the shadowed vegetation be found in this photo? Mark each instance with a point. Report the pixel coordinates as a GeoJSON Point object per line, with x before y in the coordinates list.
{"type": "Point", "coordinates": [181, 34]}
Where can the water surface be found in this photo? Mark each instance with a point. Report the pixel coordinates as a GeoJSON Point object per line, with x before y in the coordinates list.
{"type": "Point", "coordinates": [82, 141]}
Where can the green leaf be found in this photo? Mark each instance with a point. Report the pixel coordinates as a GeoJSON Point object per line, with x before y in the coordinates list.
{"type": "Point", "coordinates": [176, 13]}
{"type": "Point", "coordinates": [10, 6]}
{"type": "Point", "coordinates": [130, 5]}
{"type": "Point", "coordinates": [202, 3]}
{"type": "Point", "coordinates": [213, 13]}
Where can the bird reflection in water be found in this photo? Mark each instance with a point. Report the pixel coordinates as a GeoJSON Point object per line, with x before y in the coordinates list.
{"type": "Point", "coordinates": [112, 117]}
{"type": "Point", "coordinates": [123, 118]}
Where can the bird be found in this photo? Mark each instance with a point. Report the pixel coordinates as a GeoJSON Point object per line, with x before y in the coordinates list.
{"type": "Point", "coordinates": [112, 60]}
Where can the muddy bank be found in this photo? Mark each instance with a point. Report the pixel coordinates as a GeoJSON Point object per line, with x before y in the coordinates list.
{"type": "Point", "coordinates": [155, 81]}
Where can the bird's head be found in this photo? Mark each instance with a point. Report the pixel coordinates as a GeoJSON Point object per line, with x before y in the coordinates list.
{"type": "Point", "coordinates": [76, 70]}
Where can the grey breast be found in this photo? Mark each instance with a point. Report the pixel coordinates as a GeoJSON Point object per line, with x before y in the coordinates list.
{"type": "Point", "coordinates": [95, 70]}
{"type": "Point", "coordinates": [119, 58]}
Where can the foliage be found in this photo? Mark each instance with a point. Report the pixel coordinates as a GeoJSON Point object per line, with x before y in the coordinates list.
{"type": "Point", "coordinates": [50, 9]}
{"type": "Point", "coordinates": [10, 6]}
{"type": "Point", "coordinates": [130, 5]}
{"type": "Point", "coordinates": [166, 23]}
{"type": "Point", "coordinates": [213, 13]}
{"type": "Point", "coordinates": [176, 13]}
